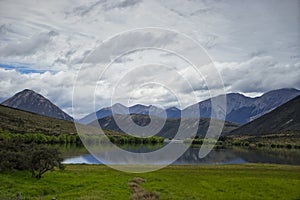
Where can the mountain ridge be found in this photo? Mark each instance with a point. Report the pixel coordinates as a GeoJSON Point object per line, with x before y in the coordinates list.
{"type": "Point", "coordinates": [240, 108]}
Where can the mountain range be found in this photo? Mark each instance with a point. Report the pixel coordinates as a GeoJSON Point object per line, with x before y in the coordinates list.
{"type": "Point", "coordinates": [30, 101]}
{"type": "Point", "coordinates": [282, 119]}
{"type": "Point", "coordinates": [240, 109]}
{"type": "Point", "coordinates": [285, 117]}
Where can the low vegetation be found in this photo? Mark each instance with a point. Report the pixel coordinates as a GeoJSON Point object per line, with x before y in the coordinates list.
{"type": "Point", "coordinates": [287, 139]}
{"type": "Point", "coordinates": [18, 121]}
{"type": "Point", "coordinates": [250, 181]}
{"type": "Point", "coordinates": [40, 138]}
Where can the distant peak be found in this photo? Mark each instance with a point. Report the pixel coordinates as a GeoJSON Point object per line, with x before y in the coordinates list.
{"type": "Point", "coordinates": [172, 108]}
{"type": "Point", "coordinates": [27, 90]}
{"type": "Point", "coordinates": [138, 105]}
{"type": "Point", "coordinates": [118, 105]}
{"type": "Point", "coordinates": [29, 100]}
{"type": "Point", "coordinates": [281, 90]}
{"type": "Point", "coordinates": [284, 89]}
{"type": "Point", "coordinates": [235, 94]}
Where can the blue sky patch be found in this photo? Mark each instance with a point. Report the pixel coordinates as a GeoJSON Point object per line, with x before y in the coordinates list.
{"type": "Point", "coordinates": [22, 69]}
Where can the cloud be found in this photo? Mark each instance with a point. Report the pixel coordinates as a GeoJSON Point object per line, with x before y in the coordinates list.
{"type": "Point", "coordinates": [43, 45]}
{"type": "Point", "coordinates": [127, 42]}
{"type": "Point", "coordinates": [28, 46]}
{"type": "Point", "coordinates": [259, 74]}
{"type": "Point", "coordinates": [104, 5]}
{"type": "Point", "coordinates": [121, 4]}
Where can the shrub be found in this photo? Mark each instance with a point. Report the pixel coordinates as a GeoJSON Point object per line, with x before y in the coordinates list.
{"type": "Point", "coordinates": [246, 144]}
{"type": "Point", "coordinates": [36, 158]}
{"type": "Point", "coordinates": [260, 144]}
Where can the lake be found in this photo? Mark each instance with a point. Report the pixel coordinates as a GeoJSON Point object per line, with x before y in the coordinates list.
{"type": "Point", "coordinates": [76, 155]}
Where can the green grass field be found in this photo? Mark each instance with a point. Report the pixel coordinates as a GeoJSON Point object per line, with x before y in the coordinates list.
{"type": "Point", "coordinates": [250, 181]}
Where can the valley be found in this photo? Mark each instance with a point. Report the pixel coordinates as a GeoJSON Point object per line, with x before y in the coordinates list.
{"type": "Point", "coordinates": [241, 153]}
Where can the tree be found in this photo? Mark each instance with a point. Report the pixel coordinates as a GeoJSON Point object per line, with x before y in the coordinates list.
{"type": "Point", "coordinates": [44, 159]}
{"type": "Point", "coordinates": [37, 158]}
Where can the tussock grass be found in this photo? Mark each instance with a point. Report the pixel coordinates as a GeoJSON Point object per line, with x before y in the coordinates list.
{"type": "Point", "coordinates": [138, 193]}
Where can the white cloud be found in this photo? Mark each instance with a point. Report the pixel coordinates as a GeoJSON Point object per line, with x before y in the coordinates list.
{"type": "Point", "coordinates": [28, 46]}
{"type": "Point", "coordinates": [254, 44]}
{"type": "Point", "coordinates": [259, 74]}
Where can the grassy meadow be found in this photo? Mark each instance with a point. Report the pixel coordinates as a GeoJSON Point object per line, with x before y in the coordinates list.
{"type": "Point", "coordinates": [250, 181]}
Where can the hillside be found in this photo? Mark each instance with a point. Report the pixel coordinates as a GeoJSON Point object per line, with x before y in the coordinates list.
{"type": "Point", "coordinates": [170, 127]}
{"type": "Point", "coordinates": [18, 121]}
{"type": "Point", "coordinates": [28, 100]}
{"type": "Point", "coordinates": [284, 118]}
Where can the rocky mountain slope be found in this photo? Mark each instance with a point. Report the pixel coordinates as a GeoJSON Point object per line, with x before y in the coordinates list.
{"type": "Point", "coordinates": [28, 100]}
{"type": "Point", "coordinates": [242, 109]}
{"type": "Point", "coordinates": [284, 118]}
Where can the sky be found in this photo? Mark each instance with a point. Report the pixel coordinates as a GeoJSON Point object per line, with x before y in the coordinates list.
{"type": "Point", "coordinates": [46, 45]}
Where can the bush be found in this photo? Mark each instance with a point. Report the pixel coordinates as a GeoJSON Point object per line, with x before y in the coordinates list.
{"type": "Point", "coordinates": [246, 144]}
{"type": "Point", "coordinates": [236, 143]}
{"type": "Point", "coordinates": [36, 158]}
{"type": "Point", "coordinates": [260, 144]}
{"type": "Point", "coordinates": [13, 156]}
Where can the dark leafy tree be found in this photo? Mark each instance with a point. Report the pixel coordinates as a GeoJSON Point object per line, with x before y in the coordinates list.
{"type": "Point", "coordinates": [44, 159]}
{"type": "Point", "coordinates": [38, 159]}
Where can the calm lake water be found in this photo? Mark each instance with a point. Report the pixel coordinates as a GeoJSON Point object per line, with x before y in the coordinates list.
{"type": "Point", "coordinates": [76, 155]}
